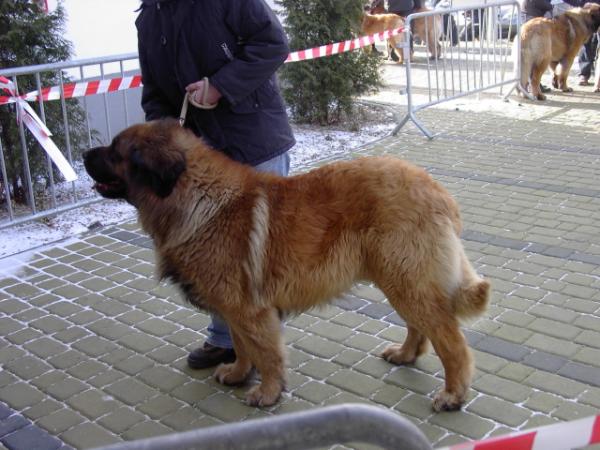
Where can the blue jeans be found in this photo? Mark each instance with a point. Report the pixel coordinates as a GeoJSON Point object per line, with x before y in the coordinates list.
{"type": "Point", "coordinates": [218, 331]}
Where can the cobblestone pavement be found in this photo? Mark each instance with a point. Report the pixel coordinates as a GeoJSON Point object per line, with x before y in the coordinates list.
{"type": "Point", "coordinates": [93, 348]}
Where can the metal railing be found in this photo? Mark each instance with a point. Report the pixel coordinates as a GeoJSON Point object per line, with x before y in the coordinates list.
{"type": "Point", "coordinates": [297, 431]}
{"type": "Point", "coordinates": [105, 114]}
{"type": "Point", "coordinates": [472, 54]}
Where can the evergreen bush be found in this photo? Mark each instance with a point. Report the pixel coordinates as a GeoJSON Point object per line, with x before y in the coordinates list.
{"type": "Point", "coordinates": [322, 90]}
{"type": "Point", "coordinates": [29, 36]}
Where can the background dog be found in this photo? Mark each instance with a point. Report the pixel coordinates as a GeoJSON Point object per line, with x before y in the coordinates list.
{"type": "Point", "coordinates": [378, 23]}
{"type": "Point", "coordinates": [555, 43]}
{"type": "Point", "coordinates": [429, 29]}
{"type": "Point", "coordinates": [251, 245]}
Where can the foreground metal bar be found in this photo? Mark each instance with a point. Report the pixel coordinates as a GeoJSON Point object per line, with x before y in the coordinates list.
{"type": "Point", "coordinates": [297, 431]}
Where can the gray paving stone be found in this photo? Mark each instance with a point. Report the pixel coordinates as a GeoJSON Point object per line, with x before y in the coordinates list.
{"type": "Point", "coordinates": [506, 389]}
{"type": "Point", "coordinates": [357, 383]}
{"type": "Point", "coordinates": [413, 380]}
{"type": "Point", "coordinates": [555, 384]}
{"type": "Point", "coordinates": [581, 372]}
{"type": "Point", "coordinates": [463, 423]}
{"type": "Point", "coordinates": [545, 361]}
{"type": "Point", "coordinates": [89, 435]}
{"type": "Point", "coordinates": [121, 420]}
{"type": "Point", "coordinates": [499, 411]}
{"type": "Point", "coordinates": [31, 437]}
{"type": "Point", "coordinates": [502, 348]}
{"type": "Point", "coordinates": [12, 423]}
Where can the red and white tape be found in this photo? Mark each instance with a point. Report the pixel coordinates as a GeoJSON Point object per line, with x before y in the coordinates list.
{"type": "Point", "coordinates": [341, 47]}
{"type": "Point", "coordinates": [558, 436]}
{"type": "Point", "coordinates": [27, 116]}
{"type": "Point", "coordinates": [80, 89]}
{"type": "Point", "coordinates": [85, 88]}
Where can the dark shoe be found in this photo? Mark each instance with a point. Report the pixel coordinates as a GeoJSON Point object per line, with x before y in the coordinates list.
{"type": "Point", "coordinates": [583, 81]}
{"type": "Point", "coordinates": [544, 88]}
{"type": "Point", "coordinates": [210, 356]}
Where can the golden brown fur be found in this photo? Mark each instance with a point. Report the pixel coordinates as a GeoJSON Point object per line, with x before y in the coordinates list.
{"type": "Point", "coordinates": [378, 23]}
{"type": "Point", "coordinates": [429, 29]}
{"type": "Point", "coordinates": [251, 245]}
{"type": "Point", "coordinates": [555, 43]}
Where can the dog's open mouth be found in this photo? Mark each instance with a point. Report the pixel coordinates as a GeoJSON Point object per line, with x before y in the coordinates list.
{"type": "Point", "coordinates": [110, 189]}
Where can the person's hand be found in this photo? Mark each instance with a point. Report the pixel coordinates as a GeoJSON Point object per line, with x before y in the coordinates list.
{"type": "Point", "coordinates": [196, 93]}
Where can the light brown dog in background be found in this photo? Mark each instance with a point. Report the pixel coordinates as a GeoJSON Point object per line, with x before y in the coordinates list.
{"type": "Point", "coordinates": [252, 245]}
{"type": "Point", "coordinates": [554, 43]}
{"type": "Point", "coordinates": [378, 23]}
{"type": "Point", "coordinates": [429, 29]}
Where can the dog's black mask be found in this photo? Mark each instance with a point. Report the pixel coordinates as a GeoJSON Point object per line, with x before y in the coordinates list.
{"type": "Point", "coordinates": [141, 159]}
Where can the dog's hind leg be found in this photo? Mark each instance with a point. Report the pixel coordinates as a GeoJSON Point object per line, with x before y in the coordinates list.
{"type": "Point", "coordinates": [554, 74]}
{"type": "Point", "coordinates": [536, 79]}
{"type": "Point", "coordinates": [564, 67]}
{"type": "Point", "coordinates": [415, 345]}
{"type": "Point", "coordinates": [450, 345]}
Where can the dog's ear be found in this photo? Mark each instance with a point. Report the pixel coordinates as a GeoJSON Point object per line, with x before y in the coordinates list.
{"type": "Point", "coordinates": [157, 167]}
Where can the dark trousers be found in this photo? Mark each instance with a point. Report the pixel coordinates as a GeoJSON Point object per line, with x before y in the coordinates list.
{"type": "Point", "coordinates": [587, 55]}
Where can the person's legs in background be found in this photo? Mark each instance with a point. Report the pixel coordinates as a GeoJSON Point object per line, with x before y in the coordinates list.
{"type": "Point", "coordinates": [586, 57]}
{"type": "Point", "coordinates": [218, 347]}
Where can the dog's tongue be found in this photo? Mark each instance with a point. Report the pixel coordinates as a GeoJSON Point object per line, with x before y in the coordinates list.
{"type": "Point", "coordinates": [100, 186]}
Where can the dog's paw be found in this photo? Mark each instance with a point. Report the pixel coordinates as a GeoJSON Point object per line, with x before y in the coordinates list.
{"type": "Point", "coordinates": [396, 355]}
{"type": "Point", "coordinates": [541, 96]}
{"type": "Point", "coordinates": [231, 374]}
{"type": "Point", "coordinates": [262, 395]}
{"type": "Point", "coordinates": [446, 401]}
{"type": "Point", "coordinates": [567, 89]}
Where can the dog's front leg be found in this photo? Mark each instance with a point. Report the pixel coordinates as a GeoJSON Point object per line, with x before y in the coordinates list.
{"type": "Point", "coordinates": [238, 371]}
{"type": "Point", "coordinates": [261, 338]}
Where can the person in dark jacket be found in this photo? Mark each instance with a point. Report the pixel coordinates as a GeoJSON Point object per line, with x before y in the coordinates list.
{"type": "Point", "coordinates": [535, 8]}
{"type": "Point", "coordinates": [401, 7]}
{"type": "Point", "coordinates": [224, 54]}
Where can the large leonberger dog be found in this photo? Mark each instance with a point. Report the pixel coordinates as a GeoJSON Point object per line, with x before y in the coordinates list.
{"type": "Point", "coordinates": [555, 43]}
{"type": "Point", "coordinates": [253, 246]}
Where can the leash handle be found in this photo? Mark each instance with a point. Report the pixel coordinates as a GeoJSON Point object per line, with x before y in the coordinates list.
{"type": "Point", "coordinates": [190, 99]}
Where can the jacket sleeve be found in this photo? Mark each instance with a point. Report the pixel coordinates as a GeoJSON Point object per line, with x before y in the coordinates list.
{"type": "Point", "coordinates": [264, 47]}
{"type": "Point", "coordinates": [154, 103]}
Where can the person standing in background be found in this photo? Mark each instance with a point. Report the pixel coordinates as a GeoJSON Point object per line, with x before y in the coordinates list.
{"type": "Point", "coordinates": [224, 55]}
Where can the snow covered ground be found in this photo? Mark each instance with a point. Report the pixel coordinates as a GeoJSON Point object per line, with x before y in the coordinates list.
{"type": "Point", "coordinates": [313, 143]}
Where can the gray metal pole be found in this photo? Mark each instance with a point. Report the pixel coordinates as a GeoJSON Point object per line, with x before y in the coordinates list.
{"type": "Point", "coordinates": [297, 431]}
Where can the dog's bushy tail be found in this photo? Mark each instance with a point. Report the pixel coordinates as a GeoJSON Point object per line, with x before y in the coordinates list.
{"type": "Point", "coordinates": [526, 65]}
{"type": "Point", "coordinates": [471, 300]}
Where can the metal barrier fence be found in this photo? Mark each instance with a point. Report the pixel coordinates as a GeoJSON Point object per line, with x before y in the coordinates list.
{"type": "Point", "coordinates": [468, 50]}
{"type": "Point", "coordinates": [297, 431]}
{"type": "Point", "coordinates": [40, 195]}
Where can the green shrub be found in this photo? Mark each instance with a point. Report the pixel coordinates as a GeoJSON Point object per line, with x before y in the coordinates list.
{"type": "Point", "coordinates": [322, 90]}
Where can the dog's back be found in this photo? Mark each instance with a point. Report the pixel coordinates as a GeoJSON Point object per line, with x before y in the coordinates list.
{"type": "Point", "coordinates": [377, 23]}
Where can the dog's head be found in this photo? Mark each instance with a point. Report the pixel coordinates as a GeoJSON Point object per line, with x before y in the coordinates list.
{"type": "Point", "coordinates": [594, 12]}
{"type": "Point", "coordinates": [143, 159]}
